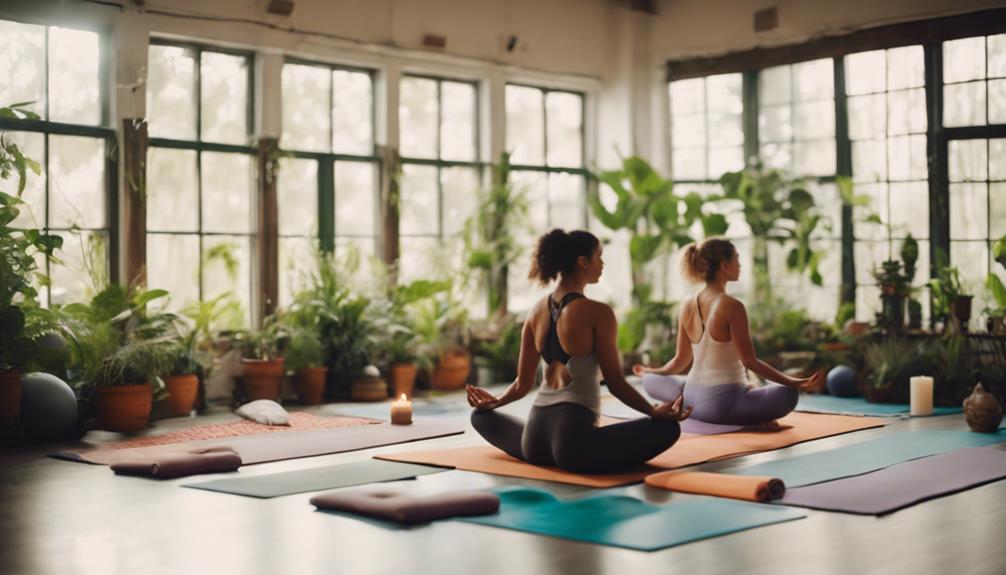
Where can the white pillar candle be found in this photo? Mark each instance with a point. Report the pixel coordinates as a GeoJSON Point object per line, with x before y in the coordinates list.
{"type": "Point", "coordinates": [401, 411]}
{"type": "Point", "coordinates": [921, 390]}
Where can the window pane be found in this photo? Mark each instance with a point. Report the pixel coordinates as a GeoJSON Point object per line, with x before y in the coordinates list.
{"type": "Point", "coordinates": [688, 132]}
{"type": "Point", "coordinates": [171, 99]}
{"type": "Point", "coordinates": [869, 255]}
{"type": "Point", "coordinates": [566, 201]}
{"type": "Point", "coordinates": [906, 68]}
{"type": "Point", "coordinates": [461, 197]}
{"type": "Point", "coordinates": [878, 205]}
{"type": "Point", "coordinates": [565, 125]}
{"type": "Point", "coordinates": [996, 56]}
{"type": "Point", "coordinates": [535, 187]}
{"type": "Point", "coordinates": [774, 86]}
{"type": "Point", "coordinates": [774, 124]}
{"type": "Point", "coordinates": [306, 93]}
{"type": "Point", "coordinates": [814, 80]}
{"type": "Point", "coordinates": [77, 188]}
{"type": "Point", "coordinates": [175, 257]}
{"type": "Point", "coordinates": [865, 72]}
{"type": "Point", "coordinates": [22, 65]}
{"type": "Point", "coordinates": [964, 60]}
{"type": "Point", "coordinates": [457, 128]}
{"type": "Point", "coordinates": [968, 160]}
{"type": "Point", "coordinates": [525, 125]}
{"type": "Point", "coordinates": [725, 130]}
{"type": "Point", "coordinates": [723, 160]}
{"type": "Point", "coordinates": [172, 190]}
{"type": "Point", "coordinates": [910, 209]}
{"type": "Point", "coordinates": [227, 269]}
{"type": "Point", "coordinates": [84, 256]}
{"type": "Point", "coordinates": [417, 113]}
{"type": "Point", "coordinates": [968, 211]}
{"type": "Point", "coordinates": [964, 104]}
{"type": "Point", "coordinates": [814, 120]}
{"type": "Point", "coordinates": [73, 77]}
{"type": "Point", "coordinates": [355, 198]}
{"type": "Point", "coordinates": [689, 163]}
{"type": "Point", "coordinates": [997, 210]}
{"type": "Point", "coordinates": [815, 157]}
{"type": "Point", "coordinates": [353, 113]}
{"type": "Point", "coordinates": [297, 190]}
{"type": "Point", "coordinates": [907, 158]}
{"type": "Point", "coordinates": [907, 111]}
{"type": "Point", "coordinates": [687, 97]}
{"type": "Point", "coordinates": [778, 156]}
{"type": "Point", "coordinates": [971, 258]}
{"type": "Point", "coordinates": [296, 259]}
{"type": "Point", "coordinates": [418, 258]}
{"type": "Point", "coordinates": [997, 101]}
{"type": "Point", "coordinates": [224, 81]}
{"type": "Point", "coordinates": [867, 116]}
{"type": "Point", "coordinates": [997, 159]}
{"type": "Point", "coordinates": [227, 192]}
{"type": "Point", "coordinates": [33, 212]}
{"type": "Point", "coordinates": [724, 94]}
{"type": "Point", "coordinates": [365, 250]}
{"type": "Point", "coordinates": [420, 209]}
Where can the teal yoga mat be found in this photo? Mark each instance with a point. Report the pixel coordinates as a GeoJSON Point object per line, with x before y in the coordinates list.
{"type": "Point", "coordinates": [868, 456]}
{"type": "Point", "coordinates": [622, 521]}
{"type": "Point", "coordinates": [859, 406]}
{"type": "Point", "coordinates": [316, 478]}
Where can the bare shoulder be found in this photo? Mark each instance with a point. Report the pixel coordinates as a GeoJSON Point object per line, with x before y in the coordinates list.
{"type": "Point", "coordinates": [732, 304]}
{"type": "Point", "coordinates": [592, 308]}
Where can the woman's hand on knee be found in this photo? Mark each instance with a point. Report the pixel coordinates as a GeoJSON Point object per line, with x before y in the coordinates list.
{"type": "Point", "coordinates": [481, 399]}
{"type": "Point", "coordinates": [808, 383]}
{"type": "Point", "coordinates": [672, 410]}
{"type": "Point", "coordinates": [641, 370]}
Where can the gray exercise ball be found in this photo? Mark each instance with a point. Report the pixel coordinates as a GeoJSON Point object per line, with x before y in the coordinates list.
{"type": "Point", "coordinates": [48, 407]}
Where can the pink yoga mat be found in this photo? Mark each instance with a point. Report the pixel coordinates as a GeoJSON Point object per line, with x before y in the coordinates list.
{"type": "Point", "coordinates": [905, 484]}
{"type": "Point", "coordinates": [278, 446]}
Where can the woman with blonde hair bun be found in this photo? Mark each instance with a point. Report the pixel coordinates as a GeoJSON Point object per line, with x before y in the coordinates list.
{"type": "Point", "coordinates": [714, 347]}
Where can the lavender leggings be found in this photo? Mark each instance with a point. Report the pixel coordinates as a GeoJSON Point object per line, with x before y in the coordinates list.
{"type": "Point", "coordinates": [731, 403]}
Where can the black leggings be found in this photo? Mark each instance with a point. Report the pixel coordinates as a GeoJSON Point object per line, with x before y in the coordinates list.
{"type": "Point", "coordinates": [566, 435]}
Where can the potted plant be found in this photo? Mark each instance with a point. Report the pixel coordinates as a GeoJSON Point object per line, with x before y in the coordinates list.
{"type": "Point", "coordinates": [399, 343]}
{"type": "Point", "coordinates": [305, 357]}
{"type": "Point", "coordinates": [887, 362]}
{"type": "Point", "coordinates": [182, 381]}
{"type": "Point", "coordinates": [127, 382]}
{"type": "Point", "coordinates": [995, 312]}
{"type": "Point", "coordinates": [262, 364]}
{"type": "Point", "coordinates": [498, 345]}
{"type": "Point", "coordinates": [949, 297]}
{"type": "Point", "coordinates": [440, 324]}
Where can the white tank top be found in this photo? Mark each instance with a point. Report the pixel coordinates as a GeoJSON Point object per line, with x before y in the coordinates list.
{"type": "Point", "coordinates": [584, 388]}
{"type": "Point", "coordinates": [714, 362]}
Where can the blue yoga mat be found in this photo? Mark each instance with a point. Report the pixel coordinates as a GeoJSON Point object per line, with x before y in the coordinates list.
{"type": "Point", "coordinates": [859, 406]}
{"type": "Point", "coordinates": [868, 456]}
{"type": "Point", "coordinates": [623, 521]}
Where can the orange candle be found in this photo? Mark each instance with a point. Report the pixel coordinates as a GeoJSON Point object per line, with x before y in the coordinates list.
{"type": "Point", "coordinates": [401, 411]}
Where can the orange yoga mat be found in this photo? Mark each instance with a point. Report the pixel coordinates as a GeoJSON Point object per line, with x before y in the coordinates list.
{"type": "Point", "coordinates": [749, 488]}
{"type": "Point", "coordinates": [689, 450]}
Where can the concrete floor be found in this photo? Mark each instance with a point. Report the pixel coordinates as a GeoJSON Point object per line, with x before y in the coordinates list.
{"type": "Point", "coordinates": [62, 517]}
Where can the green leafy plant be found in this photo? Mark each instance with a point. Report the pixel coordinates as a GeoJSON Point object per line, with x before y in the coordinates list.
{"type": "Point", "coordinates": [777, 208]}
{"type": "Point", "coordinates": [304, 349]}
{"type": "Point", "coordinates": [490, 234]}
{"type": "Point", "coordinates": [777, 326]}
{"type": "Point", "coordinates": [499, 346]}
{"type": "Point", "coordinates": [889, 362]}
{"type": "Point", "coordinates": [994, 285]}
{"type": "Point", "coordinates": [947, 285]}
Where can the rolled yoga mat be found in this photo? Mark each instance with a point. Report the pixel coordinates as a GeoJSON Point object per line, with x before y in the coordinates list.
{"type": "Point", "coordinates": [279, 446]}
{"type": "Point", "coordinates": [861, 407]}
{"type": "Point", "coordinates": [622, 521]}
{"type": "Point", "coordinates": [905, 484]}
{"type": "Point", "coordinates": [316, 478]}
{"type": "Point", "coordinates": [867, 456]}
{"type": "Point", "coordinates": [408, 509]}
{"type": "Point", "coordinates": [758, 489]}
{"type": "Point", "coordinates": [689, 450]}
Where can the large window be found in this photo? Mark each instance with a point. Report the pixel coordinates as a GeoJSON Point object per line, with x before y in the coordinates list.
{"type": "Point", "coordinates": [328, 186]}
{"type": "Point", "coordinates": [707, 133]}
{"type": "Point", "coordinates": [544, 135]}
{"type": "Point", "coordinates": [441, 173]}
{"type": "Point", "coordinates": [59, 71]}
{"type": "Point", "coordinates": [974, 91]}
{"type": "Point", "coordinates": [796, 117]}
{"type": "Point", "coordinates": [200, 175]}
{"type": "Point", "coordinates": [887, 128]}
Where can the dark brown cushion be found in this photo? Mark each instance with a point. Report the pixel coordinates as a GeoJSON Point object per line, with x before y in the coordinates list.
{"type": "Point", "coordinates": [166, 466]}
{"type": "Point", "coordinates": [404, 508]}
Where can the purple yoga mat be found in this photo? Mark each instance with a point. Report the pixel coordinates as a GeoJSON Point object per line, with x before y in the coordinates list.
{"type": "Point", "coordinates": [903, 485]}
{"type": "Point", "coordinates": [617, 410]}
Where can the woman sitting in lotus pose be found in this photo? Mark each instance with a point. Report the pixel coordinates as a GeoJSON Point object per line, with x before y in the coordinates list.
{"type": "Point", "coordinates": [576, 338]}
{"type": "Point", "coordinates": [713, 339]}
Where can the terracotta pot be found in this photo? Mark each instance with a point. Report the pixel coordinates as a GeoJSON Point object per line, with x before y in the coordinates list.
{"type": "Point", "coordinates": [960, 308]}
{"type": "Point", "coordinates": [310, 384]}
{"type": "Point", "coordinates": [262, 378]}
{"type": "Point", "coordinates": [124, 407]}
{"type": "Point", "coordinates": [452, 370]}
{"type": "Point", "coordinates": [182, 392]}
{"type": "Point", "coordinates": [10, 396]}
{"type": "Point", "coordinates": [369, 389]}
{"type": "Point", "coordinates": [403, 378]}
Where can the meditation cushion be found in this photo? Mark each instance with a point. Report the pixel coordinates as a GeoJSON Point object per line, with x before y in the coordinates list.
{"type": "Point", "coordinates": [265, 411]}
{"type": "Point", "coordinates": [404, 508]}
{"type": "Point", "coordinates": [165, 466]}
{"type": "Point", "coordinates": [48, 407]}
{"type": "Point", "coordinates": [842, 382]}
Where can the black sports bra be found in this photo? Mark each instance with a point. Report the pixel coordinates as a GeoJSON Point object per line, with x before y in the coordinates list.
{"type": "Point", "coordinates": [553, 349]}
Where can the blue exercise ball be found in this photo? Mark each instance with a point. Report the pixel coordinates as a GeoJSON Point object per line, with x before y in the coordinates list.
{"type": "Point", "coordinates": [842, 382]}
{"type": "Point", "coordinates": [48, 407]}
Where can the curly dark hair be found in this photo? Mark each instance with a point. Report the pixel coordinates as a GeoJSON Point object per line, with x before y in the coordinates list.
{"type": "Point", "coordinates": [557, 253]}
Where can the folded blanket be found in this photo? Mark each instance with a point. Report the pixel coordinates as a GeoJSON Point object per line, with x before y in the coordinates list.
{"type": "Point", "coordinates": [404, 508]}
{"type": "Point", "coordinates": [207, 460]}
{"type": "Point", "coordinates": [748, 488]}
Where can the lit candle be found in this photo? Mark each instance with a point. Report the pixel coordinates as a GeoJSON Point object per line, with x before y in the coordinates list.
{"type": "Point", "coordinates": [921, 390]}
{"type": "Point", "coordinates": [401, 411]}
